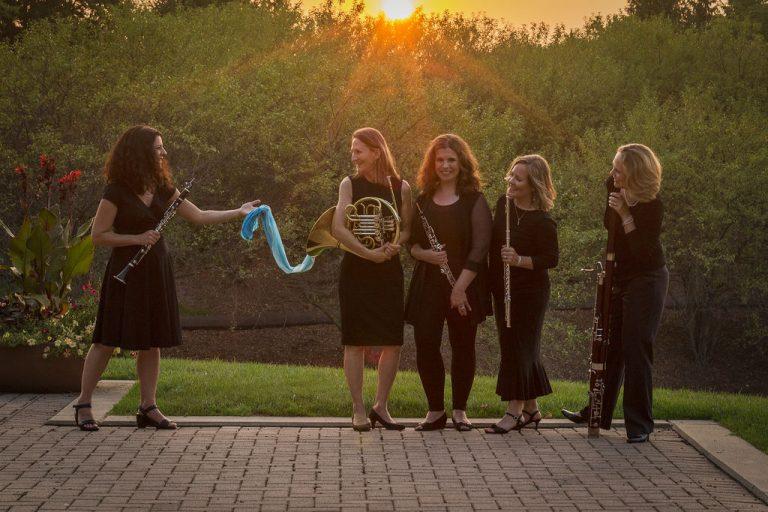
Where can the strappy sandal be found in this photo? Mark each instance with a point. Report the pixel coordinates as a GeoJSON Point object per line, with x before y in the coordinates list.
{"type": "Point", "coordinates": [496, 429]}
{"type": "Point", "coordinates": [461, 426]}
{"type": "Point", "coordinates": [143, 420]}
{"type": "Point", "coordinates": [88, 425]}
{"type": "Point", "coordinates": [530, 419]}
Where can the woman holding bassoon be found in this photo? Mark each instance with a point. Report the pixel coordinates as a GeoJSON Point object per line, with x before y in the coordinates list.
{"type": "Point", "coordinates": [523, 248]}
{"type": "Point", "coordinates": [142, 312]}
{"type": "Point", "coordinates": [640, 285]}
{"type": "Point", "coordinates": [451, 235]}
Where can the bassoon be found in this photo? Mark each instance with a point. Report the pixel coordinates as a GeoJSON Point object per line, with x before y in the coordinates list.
{"type": "Point", "coordinates": [601, 324]}
{"type": "Point", "coordinates": [167, 216]}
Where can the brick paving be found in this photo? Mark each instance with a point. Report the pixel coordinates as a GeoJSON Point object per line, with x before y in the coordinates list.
{"type": "Point", "coordinates": [270, 468]}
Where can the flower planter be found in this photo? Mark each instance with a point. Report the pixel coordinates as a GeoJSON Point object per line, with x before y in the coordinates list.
{"type": "Point", "coordinates": [23, 370]}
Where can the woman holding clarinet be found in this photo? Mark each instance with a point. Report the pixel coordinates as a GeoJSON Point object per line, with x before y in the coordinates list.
{"type": "Point", "coordinates": [523, 247]}
{"type": "Point", "coordinates": [142, 313]}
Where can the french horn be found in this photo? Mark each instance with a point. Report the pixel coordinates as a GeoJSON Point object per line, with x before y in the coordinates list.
{"type": "Point", "coordinates": [372, 220]}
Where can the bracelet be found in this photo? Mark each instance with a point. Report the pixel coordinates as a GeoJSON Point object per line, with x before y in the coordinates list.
{"type": "Point", "coordinates": [629, 221]}
{"type": "Point", "coordinates": [519, 260]}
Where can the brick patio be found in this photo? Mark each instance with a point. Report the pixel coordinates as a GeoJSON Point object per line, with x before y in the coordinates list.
{"type": "Point", "coordinates": [270, 468]}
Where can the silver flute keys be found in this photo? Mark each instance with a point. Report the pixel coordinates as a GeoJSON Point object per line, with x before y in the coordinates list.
{"type": "Point", "coordinates": [436, 246]}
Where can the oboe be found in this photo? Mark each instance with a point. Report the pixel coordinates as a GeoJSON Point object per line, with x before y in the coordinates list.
{"type": "Point", "coordinates": [507, 279]}
{"type": "Point", "coordinates": [167, 216]}
{"type": "Point", "coordinates": [601, 327]}
{"type": "Point", "coordinates": [436, 246]}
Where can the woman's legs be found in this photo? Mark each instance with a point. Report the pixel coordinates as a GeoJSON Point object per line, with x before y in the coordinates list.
{"type": "Point", "coordinates": [388, 363]}
{"type": "Point", "coordinates": [95, 362]}
{"type": "Point", "coordinates": [354, 360]}
{"type": "Point", "coordinates": [461, 333]}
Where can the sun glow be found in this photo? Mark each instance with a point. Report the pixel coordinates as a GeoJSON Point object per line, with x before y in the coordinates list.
{"type": "Point", "coordinates": [397, 9]}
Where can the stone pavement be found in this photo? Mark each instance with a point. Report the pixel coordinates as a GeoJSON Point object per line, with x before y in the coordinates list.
{"type": "Point", "coordinates": [281, 468]}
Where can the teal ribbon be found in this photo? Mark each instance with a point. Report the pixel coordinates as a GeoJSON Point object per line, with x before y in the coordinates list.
{"type": "Point", "coordinates": [251, 224]}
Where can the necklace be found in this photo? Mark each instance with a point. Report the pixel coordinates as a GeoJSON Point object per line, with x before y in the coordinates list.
{"type": "Point", "coordinates": [626, 198]}
{"type": "Point", "coordinates": [519, 218]}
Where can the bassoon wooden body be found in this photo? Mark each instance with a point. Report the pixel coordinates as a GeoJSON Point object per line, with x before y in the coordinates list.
{"type": "Point", "coordinates": [601, 325]}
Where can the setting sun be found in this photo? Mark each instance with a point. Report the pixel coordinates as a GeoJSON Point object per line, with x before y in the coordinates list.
{"type": "Point", "coordinates": [397, 9]}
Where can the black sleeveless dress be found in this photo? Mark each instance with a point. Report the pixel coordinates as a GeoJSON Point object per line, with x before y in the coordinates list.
{"type": "Point", "coordinates": [371, 294]}
{"type": "Point", "coordinates": [143, 313]}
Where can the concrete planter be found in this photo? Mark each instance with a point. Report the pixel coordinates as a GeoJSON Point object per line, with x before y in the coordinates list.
{"type": "Point", "coordinates": [23, 370]}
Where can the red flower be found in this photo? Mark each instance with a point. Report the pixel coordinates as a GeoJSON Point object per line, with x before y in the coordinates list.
{"type": "Point", "coordinates": [20, 170]}
{"type": "Point", "coordinates": [71, 177]}
{"type": "Point", "coordinates": [43, 161]}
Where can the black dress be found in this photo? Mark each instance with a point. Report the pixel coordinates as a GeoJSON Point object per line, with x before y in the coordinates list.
{"type": "Point", "coordinates": [143, 313]}
{"type": "Point", "coordinates": [371, 294]}
{"type": "Point", "coordinates": [521, 374]}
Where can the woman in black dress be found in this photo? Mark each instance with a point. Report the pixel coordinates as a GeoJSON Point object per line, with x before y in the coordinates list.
{"type": "Point", "coordinates": [533, 249]}
{"type": "Point", "coordinates": [371, 280]}
{"type": "Point", "coordinates": [141, 315]}
{"type": "Point", "coordinates": [640, 285]}
{"type": "Point", "coordinates": [458, 213]}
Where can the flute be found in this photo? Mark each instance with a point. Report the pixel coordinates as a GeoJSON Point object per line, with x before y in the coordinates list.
{"type": "Point", "coordinates": [507, 278]}
{"type": "Point", "coordinates": [167, 216]}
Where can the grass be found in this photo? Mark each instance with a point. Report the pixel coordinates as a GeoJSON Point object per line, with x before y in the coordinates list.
{"type": "Point", "coordinates": [218, 388]}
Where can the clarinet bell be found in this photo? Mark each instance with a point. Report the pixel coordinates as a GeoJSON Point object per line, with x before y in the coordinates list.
{"type": "Point", "coordinates": [123, 273]}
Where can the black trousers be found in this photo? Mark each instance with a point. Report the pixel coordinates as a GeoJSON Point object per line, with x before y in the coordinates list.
{"type": "Point", "coordinates": [637, 305]}
{"type": "Point", "coordinates": [428, 334]}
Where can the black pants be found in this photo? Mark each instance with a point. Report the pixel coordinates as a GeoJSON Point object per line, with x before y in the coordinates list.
{"type": "Point", "coordinates": [428, 334]}
{"type": "Point", "coordinates": [637, 305]}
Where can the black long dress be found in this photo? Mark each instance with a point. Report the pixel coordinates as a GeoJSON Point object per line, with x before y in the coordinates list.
{"type": "Point", "coordinates": [371, 294]}
{"type": "Point", "coordinates": [144, 312]}
{"type": "Point", "coordinates": [521, 373]}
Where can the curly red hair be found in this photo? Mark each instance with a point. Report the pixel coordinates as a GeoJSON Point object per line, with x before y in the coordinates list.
{"type": "Point", "coordinates": [132, 161]}
{"type": "Point", "coordinates": [469, 169]}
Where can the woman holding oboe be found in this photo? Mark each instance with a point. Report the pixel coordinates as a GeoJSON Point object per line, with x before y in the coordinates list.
{"type": "Point", "coordinates": [451, 235]}
{"type": "Point", "coordinates": [142, 314]}
{"type": "Point", "coordinates": [639, 288]}
{"type": "Point", "coordinates": [524, 240]}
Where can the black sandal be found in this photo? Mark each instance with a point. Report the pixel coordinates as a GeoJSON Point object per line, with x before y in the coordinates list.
{"type": "Point", "coordinates": [531, 415]}
{"type": "Point", "coordinates": [88, 425]}
{"type": "Point", "coordinates": [143, 420]}
{"type": "Point", "coordinates": [461, 426]}
{"type": "Point", "coordinates": [495, 429]}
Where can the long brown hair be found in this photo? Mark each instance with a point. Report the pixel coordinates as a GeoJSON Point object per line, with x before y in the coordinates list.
{"type": "Point", "coordinates": [132, 161]}
{"type": "Point", "coordinates": [385, 164]}
{"type": "Point", "coordinates": [469, 170]}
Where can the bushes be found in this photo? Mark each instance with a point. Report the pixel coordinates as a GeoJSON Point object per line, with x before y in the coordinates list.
{"type": "Point", "coordinates": [261, 101]}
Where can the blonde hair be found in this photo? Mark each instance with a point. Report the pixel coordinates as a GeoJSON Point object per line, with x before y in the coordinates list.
{"type": "Point", "coordinates": [539, 178]}
{"type": "Point", "coordinates": [643, 171]}
{"type": "Point", "coordinates": [385, 164]}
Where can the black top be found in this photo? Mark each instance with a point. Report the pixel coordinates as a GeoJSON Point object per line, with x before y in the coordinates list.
{"type": "Point", "coordinates": [534, 236]}
{"type": "Point", "coordinates": [639, 250]}
{"type": "Point", "coordinates": [464, 228]}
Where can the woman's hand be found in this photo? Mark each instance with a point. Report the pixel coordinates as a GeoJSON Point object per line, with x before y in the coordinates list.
{"type": "Point", "coordinates": [391, 249]}
{"type": "Point", "coordinates": [617, 202]}
{"type": "Point", "coordinates": [147, 238]}
{"type": "Point", "coordinates": [248, 207]}
{"type": "Point", "coordinates": [378, 255]}
{"type": "Point", "coordinates": [459, 301]}
{"type": "Point", "coordinates": [435, 257]}
{"type": "Point", "coordinates": [509, 256]}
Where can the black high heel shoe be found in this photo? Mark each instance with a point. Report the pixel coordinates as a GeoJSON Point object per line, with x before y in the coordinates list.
{"type": "Point", "coordinates": [143, 421]}
{"type": "Point", "coordinates": [89, 425]}
{"type": "Point", "coordinates": [530, 419]}
{"type": "Point", "coordinates": [495, 429]}
{"type": "Point", "coordinates": [376, 417]}
{"type": "Point", "coordinates": [438, 424]}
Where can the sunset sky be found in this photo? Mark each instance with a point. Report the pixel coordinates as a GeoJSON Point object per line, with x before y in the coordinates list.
{"type": "Point", "coordinates": [569, 12]}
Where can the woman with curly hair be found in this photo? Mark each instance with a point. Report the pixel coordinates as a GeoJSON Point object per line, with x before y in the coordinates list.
{"type": "Point", "coordinates": [143, 314]}
{"type": "Point", "coordinates": [453, 206]}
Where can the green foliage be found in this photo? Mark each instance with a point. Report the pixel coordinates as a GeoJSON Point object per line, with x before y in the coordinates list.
{"type": "Point", "coordinates": [260, 100]}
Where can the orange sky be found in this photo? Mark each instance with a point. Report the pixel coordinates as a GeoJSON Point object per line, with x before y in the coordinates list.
{"type": "Point", "coordinates": [569, 12]}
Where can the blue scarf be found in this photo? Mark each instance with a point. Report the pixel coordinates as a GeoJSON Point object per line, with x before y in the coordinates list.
{"type": "Point", "coordinates": [251, 224]}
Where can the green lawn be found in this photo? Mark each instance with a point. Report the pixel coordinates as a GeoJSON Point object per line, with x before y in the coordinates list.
{"type": "Point", "coordinates": [217, 388]}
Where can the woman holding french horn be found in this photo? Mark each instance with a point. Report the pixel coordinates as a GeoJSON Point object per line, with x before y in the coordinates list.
{"type": "Point", "coordinates": [371, 277]}
{"type": "Point", "coordinates": [523, 247]}
{"type": "Point", "coordinates": [451, 235]}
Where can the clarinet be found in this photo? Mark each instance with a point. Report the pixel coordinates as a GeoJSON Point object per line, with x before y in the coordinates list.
{"type": "Point", "coordinates": [507, 275]}
{"type": "Point", "coordinates": [601, 327]}
{"type": "Point", "coordinates": [167, 216]}
{"type": "Point", "coordinates": [436, 246]}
